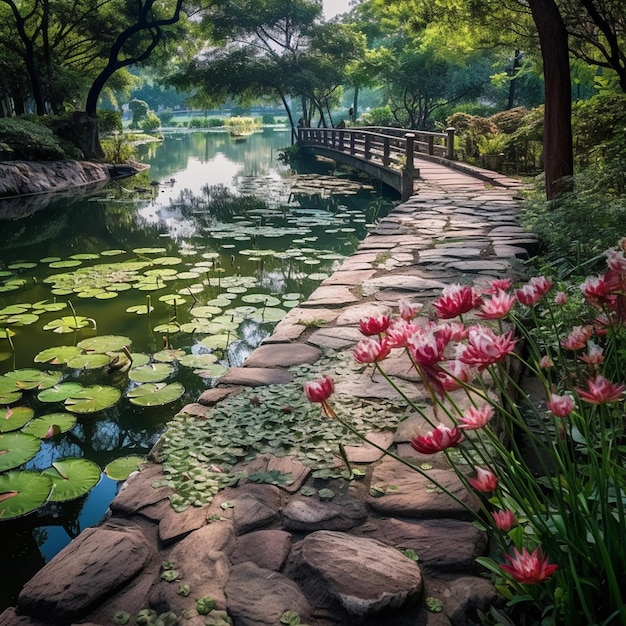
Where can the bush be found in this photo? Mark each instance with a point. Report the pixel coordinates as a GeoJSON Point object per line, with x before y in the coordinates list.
{"type": "Point", "coordinates": [166, 117]}
{"type": "Point", "coordinates": [30, 141]}
{"type": "Point", "coordinates": [109, 121]}
{"type": "Point", "coordinates": [150, 122]}
{"type": "Point", "coordinates": [117, 149]}
{"type": "Point", "coordinates": [266, 118]}
{"type": "Point", "coordinates": [380, 116]}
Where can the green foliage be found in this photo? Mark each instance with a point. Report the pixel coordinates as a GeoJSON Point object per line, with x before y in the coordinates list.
{"type": "Point", "coordinates": [109, 121]}
{"type": "Point", "coordinates": [139, 109]}
{"type": "Point", "coordinates": [117, 149]}
{"type": "Point", "coordinates": [380, 116]}
{"type": "Point", "coordinates": [206, 122]}
{"type": "Point", "coordinates": [34, 142]}
{"type": "Point", "coordinates": [166, 117]}
{"type": "Point", "coordinates": [266, 118]}
{"type": "Point", "coordinates": [150, 122]}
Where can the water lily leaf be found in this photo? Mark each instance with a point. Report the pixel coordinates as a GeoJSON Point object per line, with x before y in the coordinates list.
{"type": "Point", "coordinates": [22, 265]}
{"type": "Point", "coordinates": [22, 492]}
{"type": "Point", "coordinates": [200, 327]}
{"type": "Point", "coordinates": [173, 299]}
{"type": "Point", "coordinates": [168, 356]}
{"type": "Point", "coordinates": [105, 343]}
{"type": "Point", "coordinates": [140, 309]}
{"type": "Point", "coordinates": [23, 319]}
{"type": "Point", "coordinates": [15, 309]}
{"type": "Point", "coordinates": [211, 371]}
{"type": "Point", "coordinates": [112, 252]}
{"type": "Point", "coordinates": [149, 250]}
{"type": "Point", "coordinates": [155, 394]}
{"type": "Point", "coordinates": [139, 359]}
{"type": "Point", "coordinates": [33, 379]}
{"type": "Point", "coordinates": [72, 478]}
{"type": "Point", "coordinates": [167, 260]}
{"type": "Point", "coordinates": [152, 373]}
{"type": "Point", "coordinates": [10, 397]}
{"type": "Point", "coordinates": [220, 341]}
{"type": "Point", "coordinates": [106, 295]}
{"type": "Point", "coordinates": [50, 259]}
{"type": "Point", "coordinates": [67, 324]}
{"type": "Point", "coordinates": [85, 256]}
{"type": "Point", "coordinates": [49, 425]}
{"type": "Point", "coordinates": [260, 298]}
{"type": "Point", "coordinates": [16, 449]}
{"type": "Point", "coordinates": [122, 468]}
{"type": "Point", "coordinates": [59, 393]}
{"type": "Point", "coordinates": [14, 418]}
{"type": "Point", "coordinates": [48, 307]}
{"type": "Point", "coordinates": [198, 360]}
{"type": "Point", "coordinates": [90, 361]}
{"type": "Point", "coordinates": [167, 328]}
{"type": "Point", "coordinates": [269, 314]}
{"type": "Point", "coordinates": [206, 311]}
{"type": "Point", "coordinates": [188, 275]}
{"type": "Point", "coordinates": [6, 333]}
{"type": "Point", "coordinates": [57, 356]}
{"type": "Point", "coordinates": [92, 399]}
{"type": "Point", "coordinates": [67, 263]}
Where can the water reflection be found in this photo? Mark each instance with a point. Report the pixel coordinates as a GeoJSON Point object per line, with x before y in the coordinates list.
{"type": "Point", "coordinates": [236, 224]}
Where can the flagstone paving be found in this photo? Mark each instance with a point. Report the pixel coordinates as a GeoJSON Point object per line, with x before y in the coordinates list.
{"type": "Point", "coordinates": [273, 549]}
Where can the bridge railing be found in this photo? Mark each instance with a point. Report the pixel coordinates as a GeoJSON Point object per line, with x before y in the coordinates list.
{"type": "Point", "coordinates": [389, 147]}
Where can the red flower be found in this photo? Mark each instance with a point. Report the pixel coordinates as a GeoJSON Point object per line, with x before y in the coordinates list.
{"type": "Point", "coordinates": [409, 311]}
{"type": "Point", "coordinates": [534, 290]}
{"type": "Point", "coordinates": [455, 300]}
{"type": "Point", "coordinates": [499, 284]}
{"type": "Point", "coordinates": [437, 440]}
{"type": "Point", "coordinates": [601, 391]}
{"type": "Point", "coordinates": [497, 307]}
{"type": "Point", "coordinates": [426, 348]}
{"type": "Point", "coordinates": [485, 347]}
{"type": "Point", "coordinates": [371, 350]}
{"type": "Point", "coordinates": [594, 356]}
{"type": "Point", "coordinates": [505, 520]}
{"type": "Point", "coordinates": [370, 326]}
{"type": "Point", "coordinates": [400, 331]}
{"type": "Point", "coordinates": [561, 406]}
{"type": "Point", "coordinates": [598, 291]}
{"type": "Point", "coordinates": [578, 337]}
{"type": "Point", "coordinates": [485, 481]}
{"type": "Point", "coordinates": [319, 390]}
{"type": "Point", "coordinates": [456, 372]}
{"type": "Point", "coordinates": [475, 418]}
{"type": "Point", "coordinates": [560, 298]}
{"type": "Point", "coordinates": [528, 568]}
{"type": "Point", "coordinates": [546, 362]}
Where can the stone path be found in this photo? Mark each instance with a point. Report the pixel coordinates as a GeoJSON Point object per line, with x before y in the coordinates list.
{"type": "Point", "coordinates": [272, 550]}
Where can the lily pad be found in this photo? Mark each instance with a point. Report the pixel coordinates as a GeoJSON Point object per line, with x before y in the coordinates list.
{"type": "Point", "coordinates": [168, 356]}
{"type": "Point", "coordinates": [105, 343]}
{"type": "Point", "coordinates": [206, 311]}
{"type": "Point", "coordinates": [22, 492]}
{"type": "Point", "coordinates": [16, 449]}
{"type": "Point", "coordinates": [152, 373]}
{"type": "Point", "coordinates": [220, 341]}
{"type": "Point", "coordinates": [269, 314]}
{"type": "Point", "coordinates": [90, 361]}
{"type": "Point", "coordinates": [72, 478]}
{"type": "Point", "coordinates": [92, 399]}
{"type": "Point", "coordinates": [57, 356]}
{"type": "Point", "coordinates": [155, 394]}
{"type": "Point", "coordinates": [173, 299]}
{"type": "Point", "coordinates": [211, 371]}
{"type": "Point", "coordinates": [198, 360]}
{"type": "Point", "coordinates": [33, 379]}
{"type": "Point", "coordinates": [68, 324]}
{"type": "Point", "coordinates": [149, 250]}
{"type": "Point", "coordinates": [260, 298]}
{"type": "Point", "coordinates": [122, 468]}
{"type": "Point", "coordinates": [46, 426]}
{"type": "Point", "coordinates": [15, 418]}
{"type": "Point", "coordinates": [140, 309]}
{"type": "Point", "coordinates": [60, 392]}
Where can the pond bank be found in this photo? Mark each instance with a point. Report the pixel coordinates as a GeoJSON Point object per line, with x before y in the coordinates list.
{"type": "Point", "coordinates": [260, 550]}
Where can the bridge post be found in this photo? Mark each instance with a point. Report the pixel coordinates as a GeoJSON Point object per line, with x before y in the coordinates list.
{"type": "Point", "coordinates": [431, 145]}
{"type": "Point", "coordinates": [341, 140]}
{"type": "Point", "coordinates": [386, 151]}
{"type": "Point", "coordinates": [450, 143]}
{"type": "Point", "coordinates": [368, 147]}
{"type": "Point", "coordinates": [352, 142]}
{"type": "Point", "coordinates": [409, 151]}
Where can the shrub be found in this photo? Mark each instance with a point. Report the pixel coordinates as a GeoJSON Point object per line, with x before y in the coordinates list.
{"type": "Point", "coordinates": [35, 142]}
{"type": "Point", "coordinates": [150, 122]}
{"type": "Point", "coordinates": [266, 118]}
{"type": "Point", "coordinates": [166, 117]}
{"type": "Point", "coordinates": [109, 121]}
{"type": "Point", "coordinates": [117, 149]}
{"type": "Point", "coordinates": [380, 116]}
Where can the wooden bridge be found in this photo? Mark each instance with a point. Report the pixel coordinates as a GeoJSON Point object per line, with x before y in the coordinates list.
{"type": "Point", "coordinates": [387, 154]}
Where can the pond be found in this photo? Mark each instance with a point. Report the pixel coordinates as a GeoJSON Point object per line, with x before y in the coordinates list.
{"type": "Point", "coordinates": [119, 307]}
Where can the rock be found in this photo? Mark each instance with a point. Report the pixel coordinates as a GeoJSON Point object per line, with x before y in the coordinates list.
{"type": "Point", "coordinates": [367, 453]}
{"type": "Point", "coordinates": [137, 492]}
{"type": "Point", "coordinates": [283, 355]}
{"type": "Point", "coordinates": [268, 549]}
{"type": "Point", "coordinates": [364, 575]}
{"type": "Point", "coordinates": [409, 493]}
{"type": "Point", "coordinates": [259, 597]}
{"type": "Point", "coordinates": [92, 567]}
{"type": "Point", "coordinates": [250, 514]}
{"type": "Point", "coordinates": [173, 525]}
{"type": "Point", "coordinates": [255, 376]}
{"type": "Point", "coordinates": [343, 512]}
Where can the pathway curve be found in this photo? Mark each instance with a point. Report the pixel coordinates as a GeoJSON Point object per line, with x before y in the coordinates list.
{"type": "Point", "coordinates": [273, 549]}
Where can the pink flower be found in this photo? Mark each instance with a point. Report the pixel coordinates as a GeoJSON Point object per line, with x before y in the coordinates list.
{"type": "Point", "coordinates": [485, 347]}
{"type": "Point", "coordinates": [505, 520]}
{"type": "Point", "coordinates": [601, 391]}
{"type": "Point", "coordinates": [475, 418]}
{"type": "Point", "coordinates": [371, 350]}
{"type": "Point", "coordinates": [497, 307]}
{"type": "Point", "coordinates": [409, 311]}
{"type": "Point", "coordinates": [485, 481]}
{"type": "Point", "coordinates": [319, 390]}
{"type": "Point", "coordinates": [374, 325]}
{"type": "Point", "coordinates": [499, 284]}
{"type": "Point", "coordinates": [546, 362]}
{"type": "Point", "coordinates": [452, 331]}
{"type": "Point", "coordinates": [561, 406]}
{"type": "Point", "coordinates": [426, 348]}
{"type": "Point", "coordinates": [400, 331]}
{"type": "Point", "coordinates": [594, 356]}
{"type": "Point", "coordinates": [616, 260]}
{"type": "Point", "coordinates": [578, 337]}
{"type": "Point", "coordinates": [560, 298]}
{"type": "Point", "coordinates": [438, 439]}
{"type": "Point", "coordinates": [598, 291]}
{"type": "Point", "coordinates": [455, 300]}
{"type": "Point", "coordinates": [528, 568]}
{"type": "Point", "coordinates": [534, 290]}
{"type": "Point", "coordinates": [456, 372]}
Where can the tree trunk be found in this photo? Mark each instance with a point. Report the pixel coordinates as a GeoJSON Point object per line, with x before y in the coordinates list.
{"type": "Point", "coordinates": [86, 136]}
{"type": "Point", "coordinates": [516, 64]}
{"type": "Point", "coordinates": [558, 153]}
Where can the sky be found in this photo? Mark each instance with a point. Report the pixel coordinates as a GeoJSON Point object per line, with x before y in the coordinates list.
{"type": "Point", "coordinates": [334, 7]}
